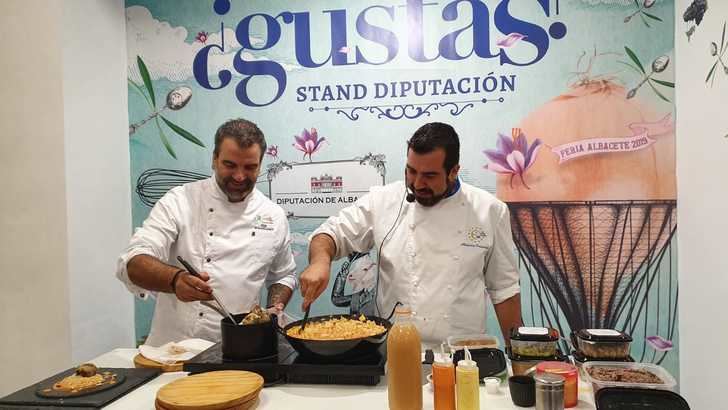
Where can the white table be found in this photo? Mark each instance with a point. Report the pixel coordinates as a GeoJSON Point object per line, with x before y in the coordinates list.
{"type": "Point", "coordinates": [304, 396]}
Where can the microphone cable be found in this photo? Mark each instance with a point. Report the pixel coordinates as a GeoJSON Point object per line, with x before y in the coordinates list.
{"type": "Point", "coordinates": [381, 245]}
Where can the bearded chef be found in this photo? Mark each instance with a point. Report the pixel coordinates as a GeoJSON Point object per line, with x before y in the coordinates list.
{"type": "Point", "coordinates": [232, 233]}
{"type": "Point", "coordinates": [442, 244]}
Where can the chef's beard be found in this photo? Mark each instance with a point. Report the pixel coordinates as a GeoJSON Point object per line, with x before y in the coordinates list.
{"type": "Point", "coordinates": [429, 199]}
{"type": "Point", "coordinates": [235, 192]}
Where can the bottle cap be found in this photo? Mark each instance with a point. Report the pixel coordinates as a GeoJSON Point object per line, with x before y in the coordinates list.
{"type": "Point", "coordinates": [468, 362]}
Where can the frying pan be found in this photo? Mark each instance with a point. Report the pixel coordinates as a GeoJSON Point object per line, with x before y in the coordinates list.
{"type": "Point", "coordinates": [339, 349]}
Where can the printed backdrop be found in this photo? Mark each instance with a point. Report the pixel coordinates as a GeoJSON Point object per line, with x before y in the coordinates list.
{"type": "Point", "coordinates": [564, 110]}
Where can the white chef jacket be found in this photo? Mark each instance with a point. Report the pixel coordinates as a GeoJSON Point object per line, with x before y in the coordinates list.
{"type": "Point", "coordinates": [439, 260]}
{"type": "Point", "coordinates": [242, 245]}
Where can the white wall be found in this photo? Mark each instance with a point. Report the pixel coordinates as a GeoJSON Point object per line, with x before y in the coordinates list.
{"type": "Point", "coordinates": [65, 212]}
{"type": "Point", "coordinates": [97, 174]}
{"type": "Point", "coordinates": [34, 305]}
{"type": "Point", "coordinates": [702, 170]}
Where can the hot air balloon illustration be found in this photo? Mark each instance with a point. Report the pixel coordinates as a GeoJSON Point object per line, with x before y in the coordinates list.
{"type": "Point", "coordinates": [589, 178]}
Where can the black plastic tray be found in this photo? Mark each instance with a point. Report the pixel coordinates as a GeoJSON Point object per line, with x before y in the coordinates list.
{"type": "Point", "coordinates": [24, 398]}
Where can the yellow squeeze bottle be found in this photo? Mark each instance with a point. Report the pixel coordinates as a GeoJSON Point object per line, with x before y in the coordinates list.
{"type": "Point", "coordinates": [467, 384]}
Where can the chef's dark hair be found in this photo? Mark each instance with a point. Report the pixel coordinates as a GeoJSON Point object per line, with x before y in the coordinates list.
{"type": "Point", "coordinates": [437, 135]}
{"type": "Point", "coordinates": [244, 132]}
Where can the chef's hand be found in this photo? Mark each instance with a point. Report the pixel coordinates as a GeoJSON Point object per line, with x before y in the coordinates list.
{"type": "Point", "coordinates": [314, 280]}
{"type": "Point", "coordinates": [190, 288]}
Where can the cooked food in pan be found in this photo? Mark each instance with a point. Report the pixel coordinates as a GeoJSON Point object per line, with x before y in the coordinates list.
{"type": "Point", "coordinates": [256, 316]}
{"type": "Point", "coordinates": [337, 329]}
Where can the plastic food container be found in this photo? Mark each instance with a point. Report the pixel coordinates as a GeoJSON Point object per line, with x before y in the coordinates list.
{"type": "Point", "coordinates": [474, 341]}
{"type": "Point", "coordinates": [571, 379]}
{"type": "Point", "coordinates": [534, 341]}
{"type": "Point", "coordinates": [602, 343]}
{"type": "Point", "coordinates": [580, 359]}
{"type": "Point", "coordinates": [520, 365]}
{"type": "Point", "coordinates": [627, 375]}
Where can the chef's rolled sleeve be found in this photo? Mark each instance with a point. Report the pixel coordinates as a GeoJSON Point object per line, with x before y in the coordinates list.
{"type": "Point", "coordinates": [154, 238]}
{"type": "Point", "coordinates": [352, 229]}
{"type": "Point", "coordinates": [501, 271]}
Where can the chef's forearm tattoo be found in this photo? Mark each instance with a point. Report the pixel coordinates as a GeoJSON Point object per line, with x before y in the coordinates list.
{"type": "Point", "coordinates": [278, 293]}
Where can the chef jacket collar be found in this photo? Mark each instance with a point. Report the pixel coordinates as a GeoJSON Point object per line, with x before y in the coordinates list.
{"type": "Point", "coordinates": [455, 188]}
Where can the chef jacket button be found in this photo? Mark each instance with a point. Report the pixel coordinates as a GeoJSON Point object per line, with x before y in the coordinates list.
{"type": "Point", "coordinates": [208, 259]}
{"type": "Point", "coordinates": [210, 233]}
{"type": "Point", "coordinates": [445, 316]}
{"type": "Point", "coordinates": [211, 209]}
{"type": "Point", "coordinates": [201, 314]}
{"type": "Point", "coordinates": [455, 257]}
{"type": "Point", "coordinates": [141, 295]}
{"type": "Point", "coordinates": [412, 226]}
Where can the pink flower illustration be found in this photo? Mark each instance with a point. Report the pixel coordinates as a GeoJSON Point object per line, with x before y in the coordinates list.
{"type": "Point", "coordinates": [512, 156]}
{"type": "Point", "coordinates": [308, 142]}
{"type": "Point", "coordinates": [272, 151]}
{"type": "Point", "coordinates": [202, 37]}
{"type": "Point", "coordinates": [510, 40]}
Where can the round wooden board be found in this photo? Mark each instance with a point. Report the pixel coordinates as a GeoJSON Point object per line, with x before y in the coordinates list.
{"type": "Point", "coordinates": [250, 404]}
{"type": "Point", "coordinates": [224, 389]}
{"type": "Point", "coordinates": [142, 362]}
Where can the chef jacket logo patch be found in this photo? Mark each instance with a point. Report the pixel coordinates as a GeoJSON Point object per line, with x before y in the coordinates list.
{"type": "Point", "coordinates": [264, 222]}
{"type": "Point", "coordinates": [474, 237]}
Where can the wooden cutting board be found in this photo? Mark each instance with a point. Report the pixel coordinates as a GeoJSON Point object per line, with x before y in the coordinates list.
{"type": "Point", "coordinates": [142, 362]}
{"type": "Point", "coordinates": [242, 406]}
{"type": "Point", "coordinates": [225, 389]}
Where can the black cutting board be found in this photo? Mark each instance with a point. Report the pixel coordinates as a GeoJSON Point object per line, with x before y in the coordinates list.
{"type": "Point", "coordinates": [26, 398]}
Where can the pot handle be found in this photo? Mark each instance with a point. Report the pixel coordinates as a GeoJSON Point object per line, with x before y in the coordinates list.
{"type": "Point", "coordinates": [393, 309]}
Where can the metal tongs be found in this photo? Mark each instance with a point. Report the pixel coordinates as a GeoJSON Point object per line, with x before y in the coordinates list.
{"type": "Point", "coordinates": [194, 272]}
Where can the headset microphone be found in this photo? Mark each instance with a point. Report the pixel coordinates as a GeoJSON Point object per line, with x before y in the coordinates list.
{"type": "Point", "coordinates": [410, 196]}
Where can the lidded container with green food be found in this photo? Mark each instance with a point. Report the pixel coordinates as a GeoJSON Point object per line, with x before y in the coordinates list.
{"type": "Point", "coordinates": [534, 341]}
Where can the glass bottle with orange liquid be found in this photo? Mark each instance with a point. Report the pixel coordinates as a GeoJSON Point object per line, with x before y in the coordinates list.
{"type": "Point", "coordinates": [404, 362]}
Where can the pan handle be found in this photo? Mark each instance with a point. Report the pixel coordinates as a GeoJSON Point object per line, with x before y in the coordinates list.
{"type": "Point", "coordinates": [393, 309]}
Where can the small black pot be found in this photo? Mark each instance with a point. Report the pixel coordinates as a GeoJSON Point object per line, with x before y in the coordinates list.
{"type": "Point", "coordinates": [245, 342]}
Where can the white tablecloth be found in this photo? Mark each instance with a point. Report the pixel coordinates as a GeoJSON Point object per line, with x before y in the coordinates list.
{"type": "Point", "coordinates": [304, 396]}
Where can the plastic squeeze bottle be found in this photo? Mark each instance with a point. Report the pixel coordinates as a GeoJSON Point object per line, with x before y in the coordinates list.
{"type": "Point", "coordinates": [468, 387]}
{"type": "Point", "coordinates": [443, 380]}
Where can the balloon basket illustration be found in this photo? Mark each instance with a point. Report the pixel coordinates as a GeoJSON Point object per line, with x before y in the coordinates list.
{"type": "Point", "coordinates": [600, 264]}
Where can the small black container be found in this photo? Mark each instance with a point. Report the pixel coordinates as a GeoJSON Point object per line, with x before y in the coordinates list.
{"type": "Point", "coordinates": [523, 390]}
{"type": "Point", "coordinates": [490, 361]}
{"type": "Point", "coordinates": [245, 342]}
